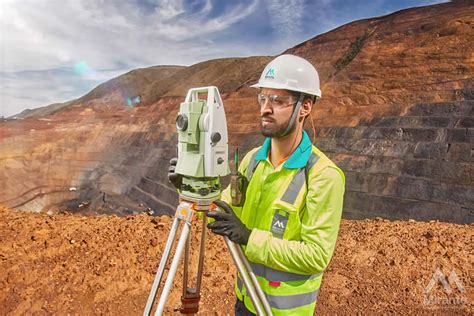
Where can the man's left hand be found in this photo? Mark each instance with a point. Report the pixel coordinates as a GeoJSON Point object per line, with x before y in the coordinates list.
{"type": "Point", "coordinates": [228, 224]}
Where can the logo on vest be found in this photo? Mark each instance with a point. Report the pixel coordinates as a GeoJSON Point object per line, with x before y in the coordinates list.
{"type": "Point", "coordinates": [279, 223]}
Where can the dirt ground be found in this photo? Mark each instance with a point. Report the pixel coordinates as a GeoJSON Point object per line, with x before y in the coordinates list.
{"type": "Point", "coordinates": [78, 265]}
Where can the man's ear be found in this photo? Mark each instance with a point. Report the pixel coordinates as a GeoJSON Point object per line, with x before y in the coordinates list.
{"type": "Point", "coordinates": [306, 108]}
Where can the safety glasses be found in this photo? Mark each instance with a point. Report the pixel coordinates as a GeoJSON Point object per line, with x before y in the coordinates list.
{"type": "Point", "coordinates": [276, 101]}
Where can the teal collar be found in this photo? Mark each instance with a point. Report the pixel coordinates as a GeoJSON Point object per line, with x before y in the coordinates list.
{"type": "Point", "coordinates": [298, 158]}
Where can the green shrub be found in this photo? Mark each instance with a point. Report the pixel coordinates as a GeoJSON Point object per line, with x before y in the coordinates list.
{"type": "Point", "coordinates": [352, 52]}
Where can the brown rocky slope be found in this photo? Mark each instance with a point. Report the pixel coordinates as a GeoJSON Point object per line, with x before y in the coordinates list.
{"type": "Point", "coordinates": [396, 114]}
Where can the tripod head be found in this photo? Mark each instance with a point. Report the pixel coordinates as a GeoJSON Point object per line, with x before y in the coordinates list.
{"type": "Point", "coordinates": [202, 145]}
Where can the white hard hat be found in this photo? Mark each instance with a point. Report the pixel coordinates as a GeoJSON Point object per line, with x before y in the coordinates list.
{"type": "Point", "coordinates": [292, 73]}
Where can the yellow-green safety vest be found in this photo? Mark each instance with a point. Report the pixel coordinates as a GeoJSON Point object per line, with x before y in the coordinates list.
{"type": "Point", "coordinates": [294, 212]}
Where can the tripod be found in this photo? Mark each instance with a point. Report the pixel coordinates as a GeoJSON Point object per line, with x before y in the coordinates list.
{"type": "Point", "coordinates": [190, 296]}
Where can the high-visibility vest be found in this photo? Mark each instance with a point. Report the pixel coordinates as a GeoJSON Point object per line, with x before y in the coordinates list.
{"type": "Point", "coordinates": [301, 291]}
{"type": "Point", "coordinates": [288, 293]}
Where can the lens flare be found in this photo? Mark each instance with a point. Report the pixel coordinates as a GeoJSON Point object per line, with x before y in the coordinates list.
{"type": "Point", "coordinates": [81, 68]}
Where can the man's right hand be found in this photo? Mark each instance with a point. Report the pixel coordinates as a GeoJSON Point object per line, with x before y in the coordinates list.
{"type": "Point", "coordinates": [173, 177]}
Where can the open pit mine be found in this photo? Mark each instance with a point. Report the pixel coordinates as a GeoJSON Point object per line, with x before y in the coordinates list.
{"type": "Point", "coordinates": [86, 203]}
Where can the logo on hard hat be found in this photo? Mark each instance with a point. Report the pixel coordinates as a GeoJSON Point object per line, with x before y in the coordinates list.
{"type": "Point", "coordinates": [270, 74]}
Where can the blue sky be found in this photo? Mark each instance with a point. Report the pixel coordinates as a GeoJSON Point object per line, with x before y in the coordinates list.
{"type": "Point", "coordinates": [57, 50]}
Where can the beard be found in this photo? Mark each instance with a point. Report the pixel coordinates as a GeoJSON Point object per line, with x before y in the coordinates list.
{"type": "Point", "coordinates": [272, 128]}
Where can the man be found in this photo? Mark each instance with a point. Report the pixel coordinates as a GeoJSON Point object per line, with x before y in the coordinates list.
{"type": "Point", "coordinates": [289, 221]}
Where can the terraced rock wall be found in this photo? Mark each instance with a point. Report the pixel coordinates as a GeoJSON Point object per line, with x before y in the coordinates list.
{"type": "Point", "coordinates": [416, 166]}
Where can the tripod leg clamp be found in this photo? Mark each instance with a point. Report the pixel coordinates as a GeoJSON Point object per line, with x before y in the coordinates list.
{"type": "Point", "coordinates": [190, 303]}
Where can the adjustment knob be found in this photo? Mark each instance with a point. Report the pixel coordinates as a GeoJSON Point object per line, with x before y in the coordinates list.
{"type": "Point", "coordinates": [203, 191]}
{"type": "Point", "coordinates": [215, 137]}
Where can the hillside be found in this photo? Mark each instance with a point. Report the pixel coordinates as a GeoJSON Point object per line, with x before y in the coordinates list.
{"type": "Point", "coordinates": [396, 115]}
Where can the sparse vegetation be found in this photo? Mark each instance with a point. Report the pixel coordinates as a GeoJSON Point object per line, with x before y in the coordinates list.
{"type": "Point", "coordinates": [352, 52]}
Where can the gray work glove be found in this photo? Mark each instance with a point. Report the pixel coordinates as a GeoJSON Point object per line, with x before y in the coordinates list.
{"type": "Point", "coordinates": [228, 224]}
{"type": "Point", "coordinates": [174, 178]}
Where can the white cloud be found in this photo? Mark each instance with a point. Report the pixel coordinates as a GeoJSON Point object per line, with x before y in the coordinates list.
{"type": "Point", "coordinates": [169, 9]}
{"type": "Point", "coordinates": [118, 35]}
{"type": "Point", "coordinates": [295, 21]}
{"type": "Point", "coordinates": [46, 34]}
{"type": "Point", "coordinates": [286, 16]}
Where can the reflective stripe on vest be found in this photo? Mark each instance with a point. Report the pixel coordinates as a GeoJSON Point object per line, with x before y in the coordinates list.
{"type": "Point", "coordinates": [297, 183]}
{"type": "Point", "coordinates": [270, 274]}
{"type": "Point", "coordinates": [295, 186]}
{"type": "Point", "coordinates": [287, 301]}
{"type": "Point", "coordinates": [292, 301]}
{"type": "Point", "coordinates": [252, 166]}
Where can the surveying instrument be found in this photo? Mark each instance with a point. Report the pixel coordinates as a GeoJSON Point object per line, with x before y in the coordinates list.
{"type": "Point", "coordinates": [202, 160]}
